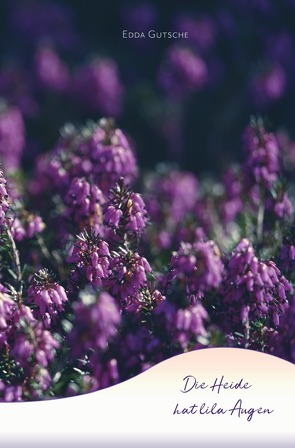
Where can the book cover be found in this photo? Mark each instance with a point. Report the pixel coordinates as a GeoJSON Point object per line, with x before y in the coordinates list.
{"type": "Point", "coordinates": [147, 244]}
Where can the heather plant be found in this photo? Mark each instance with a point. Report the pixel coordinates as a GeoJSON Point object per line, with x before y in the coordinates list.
{"type": "Point", "coordinates": [103, 303]}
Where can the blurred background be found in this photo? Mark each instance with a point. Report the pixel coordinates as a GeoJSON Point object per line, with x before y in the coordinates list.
{"type": "Point", "coordinates": [185, 101]}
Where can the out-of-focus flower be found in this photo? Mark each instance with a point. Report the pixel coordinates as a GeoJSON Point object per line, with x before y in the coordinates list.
{"type": "Point", "coordinates": [25, 225]}
{"type": "Point", "coordinates": [96, 320]}
{"type": "Point", "coordinates": [182, 72]}
{"type": "Point", "coordinates": [97, 86]}
{"type": "Point", "coordinates": [231, 204]}
{"type": "Point", "coordinates": [201, 30]}
{"type": "Point", "coordinates": [261, 165]}
{"type": "Point", "coordinates": [51, 72]}
{"type": "Point", "coordinates": [198, 266]}
{"type": "Point", "coordinates": [7, 308]}
{"type": "Point", "coordinates": [182, 326]}
{"type": "Point", "coordinates": [280, 205]}
{"type": "Point", "coordinates": [44, 20]}
{"type": "Point", "coordinates": [268, 85]}
{"type": "Point", "coordinates": [287, 252]}
{"type": "Point", "coordinates": [170, 196]}
{"type": "Point", "coordinates": [12, 137]}
{"type": "Point", "coordinates": [10, 393]}
{"type": "Point", "coordinates": [282, 342]}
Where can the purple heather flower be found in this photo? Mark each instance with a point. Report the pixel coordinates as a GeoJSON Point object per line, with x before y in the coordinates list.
{"type": "Point", "coordinates": [287, 150]}
{"type": "Point", "coordinates": [128, 278]}
{"type": "Point", "coordinates": [96, 320]}
{"type": "Point", "coordinates": [51, 72]}
{"type": "Point", "coordinates": [281, 206]}
{"type": "Point", "coordinates": [201, 30]}
{"type": "Point", "coordinates": [7, 308]}
{"type": "Point", "coordinates": [84, 204]}
{"type": "Point", "coordinates": [10, 393]}
{"type": "Point", "coordinates": [170, 195]}
{"type": "Point", "coordinates": [97, 151]}
{"type": "Point", "coordinates": [106, 374]}
{"type": "Point", "coordinates": [112, 155]}
{"type": "Point", "coordinates": [252, 288]}
{"type": "Point", "coordinates": [50, 172]}
{"type": "Point", "coordinates": [138, 348]}
{"type": "Point", "coordinates": [47, 295]}
{"type": "Point", "coordinates": [232, 204]}
{"type": "Point", "coordinates": [32, 348]}
{"type": "Point", "coordinates": [27, 225]}
{"type": "Point", "coordinates": [125, 211]}
{"type": "Point", "coordinates": [133, 347]}
{"type": "Point", "coordinates": [97, 86]}
{"type": "Point", "coordinates": [12, 137]}
{"type": "Point", "coordinates": [16, 85]}
{"type": "Point", "coordinates": [187, 232]}
{"type": "Point", "coordinates": [145, 300]}
{"type": "Point", "coordinates": [182, 72]}
{"type": "Point", "coordinates": [262, 157]}
{"type": "Point", "coordinates": [282, 342]}
{"type": "Point", "coordinates": [35, 225]}
{"type": "Point", "coordinates": [4, 204]}
{"type": "Point", "coordinates": [287, 253]}
{"type": "Point", "coordinates": [268, 85]}
{"type": "Point", "coordinates": [91, 257]}
{"type": "Point", "coordinates": [198, 266]}
{"type": "Point", "coordinates": [17, 229]}
{"type": "Point", "coordinates": [183, 326]}
{"type": "Point", "coordinates": [140, 17]}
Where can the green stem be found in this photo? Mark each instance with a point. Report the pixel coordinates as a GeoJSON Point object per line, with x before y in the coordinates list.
{"type": "Point", "coordinates": [247, 333]}
{"type": "Point", "coordinates": [52, 258]}
{"type": "Point", "coordinates": [16, 259]}
{"type": "Point", "coordinates": [260, 219]}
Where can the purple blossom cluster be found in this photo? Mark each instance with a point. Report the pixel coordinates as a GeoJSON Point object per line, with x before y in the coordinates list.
{"type": "Point", "coordinates": [84, 204]}
{"type": "Point", "coordinates": [99, 152]}
{"type": "Point", "coordinates": [26, 225]}
{"type": "Point", "coordinates": [29, 349]}
{"type": "Point", "coordinates": [125, 211]}
{"type": "Point", "coordinates": [91, 258]}
{"type": "Point", "coordinates": [47, 296]}
{"type": "Point", "coordinates": [129, 276]}
{"type": "Point", "coordinates": [262, 156]}
{"type": "Point", "coordinates": [252, 289]}
{"type": "Point", "coordinates": [198, 266]}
